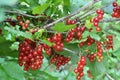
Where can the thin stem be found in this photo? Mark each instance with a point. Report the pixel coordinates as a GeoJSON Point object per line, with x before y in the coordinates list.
{"type": "Point", "coordinates": [87, 14]}
{"type": "Point", "coordinates": [66, 49]}
{"type": "Point", "coordinates": [92, 11]}
{"type": "Point", "coordinates": [72, 14]}
{"type": "Point", "coordinates": [110, 78]}
{"type": "Point", "coordinates": [110, 20]}
{"type": "Point", "coordinates": [10, 21]}
{"type": "Point", "coordinates": [19, 13]}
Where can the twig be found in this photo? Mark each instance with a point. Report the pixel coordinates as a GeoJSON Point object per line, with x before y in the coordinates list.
{"type": "Point", "coordinates": [87, 14]}
{"type": "Point", "coordinates": [19, 13]}
{"type": "Point", "coordinates": [110, 20]}
{"type": "Point", "coordinates": [92, 11]}
{"type": "Point", "coordinates": [83, 13]}
{"type": "Point", "coordinates": [10, 21]}
{"type": "Point", "coordinates": [72, 14]}
{"type": "Point", "coordinates": [69, 51]}
{"type": "Point", "coordinates": [110, 78]}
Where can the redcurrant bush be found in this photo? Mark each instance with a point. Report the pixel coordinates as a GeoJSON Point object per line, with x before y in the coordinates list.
{"type": "Point", "coordinates": [59, 40]}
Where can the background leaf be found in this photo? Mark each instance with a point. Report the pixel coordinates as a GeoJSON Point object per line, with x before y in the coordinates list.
{"type": "Point", "coordinates": [40, 9]}
{"type": "Point", "coordinates": [15, 71]}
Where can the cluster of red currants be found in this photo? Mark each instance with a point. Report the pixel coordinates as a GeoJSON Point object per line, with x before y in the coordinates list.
{"type": "Point", "coordinates": [91, 57]}
{"type": "Point", "coordinates": [75, 32]}
{"type": "Point", "coordinates": [20, 20]}
{"type": "Point", "coordinates": [57, 42]}
{"type": "Point", "coordinates": [88, 42]}
{"type": "Point", "coordinates": [80, 67]}
{"type": "Point", "coordinates": [70, 22]}
{"type": "Point", "coordinates": [30, 55]}
{"type": "Point", "coordinates": [47, 49]}
{"type": "Point", "coordinates": [99, 51]}
{"type": "Point", "coordinates": [59, 60]}
{"type": "Point", "coordinates": [11, 22]}
{"type": "Point", "coordinates": [97, 19]}
{"type": "Point", "coordinates": [109, 42]}
{"type": "Point", "coordinates": [23, 24]}
{"type": "Point", "coordinates": [116, 10]}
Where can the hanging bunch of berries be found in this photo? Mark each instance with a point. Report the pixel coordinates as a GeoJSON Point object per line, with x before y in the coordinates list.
{"type": "Point", "coordinates": [30, 55]}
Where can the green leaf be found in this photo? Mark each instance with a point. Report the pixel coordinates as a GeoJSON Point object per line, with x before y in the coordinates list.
{"type": "Point", "coordinates": [2, 17]}
{"type": "Point", "coordinates": [19, 33]}
{"type": "Point", "coordinates": [5, 50]}
{"type": "Point", "coordinates": [85, 34]}
{"type": "Point", "coordinates": [9, 36]}
{"type": "Point", "coordinates": [13, 70]}
{"type": "Point", "coordinates": [66, 2]}
{"type": "Point", "coordinates": [95, 36]}
{"type": "Point", "coordinates": [38, 34]}
{"type": "Point", "coordinates": [61, 27]}
{"type": "Point", "coordinates": [31, 2]}
{"type": "Point", "coordinates": [40, 9]}
{"type": "Point", "coordinates": [88, 24]}
{"type": "Point", "coordinates": [42, 1]}
{"type": "Point", "coordinates": [14, 46]}
{"type": "Point", "coordinates": [3, 74]}
{"type": "Point", "coordinates": [46, 42]}
{"type": "Point", "coordinates": [97, 68]}
{"type": "Point", "coordinates": [43, 75]}
{"type": "Point", "coordinates": [2, 60]}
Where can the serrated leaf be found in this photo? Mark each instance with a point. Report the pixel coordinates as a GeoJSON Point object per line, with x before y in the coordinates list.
{"type": "Point", "coordinates": [61, 27]}
{"type": "Point", "coordinates": [13, 69]}
{"type": "Point", "coordinates": [19, 33]}
{"type": "Point", "coordinates": [95, 36]}
{"type": "Point", "coordinates": [38, 34]}
{"type": "Point", "coordinates": [88, 24]}
{"type": "Point", "coordinates": [40, 9]}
